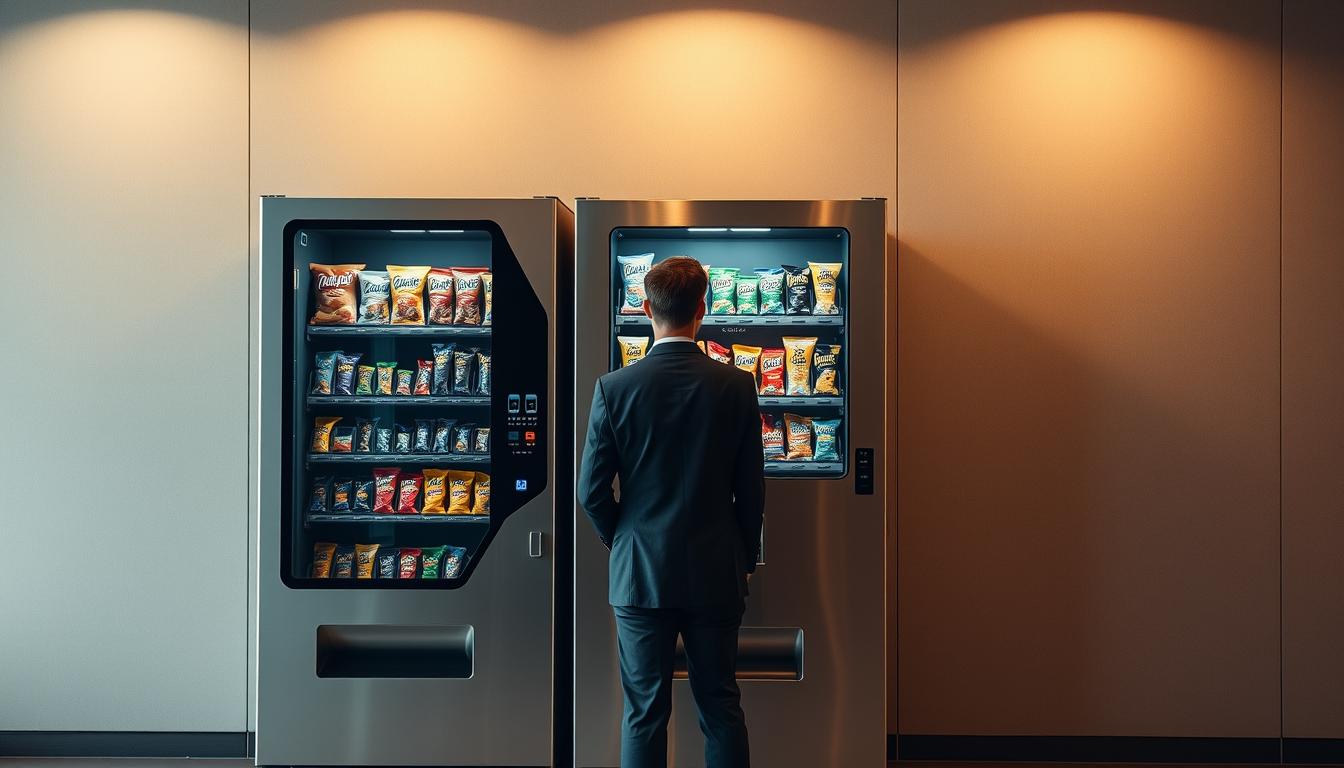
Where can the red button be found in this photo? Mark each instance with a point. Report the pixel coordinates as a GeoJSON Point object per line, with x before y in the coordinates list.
{"type": "Point", "coordinates": [530, 437]}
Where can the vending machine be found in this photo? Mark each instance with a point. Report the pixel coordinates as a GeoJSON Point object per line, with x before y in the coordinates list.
{"type": "Point", "coordinates": [797, 296]}
{"type": "Point", "coordinates": [414, 376]}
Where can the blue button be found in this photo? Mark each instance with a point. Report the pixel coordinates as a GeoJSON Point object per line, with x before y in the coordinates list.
{"type": "Point", "coordinates": [520, 485]}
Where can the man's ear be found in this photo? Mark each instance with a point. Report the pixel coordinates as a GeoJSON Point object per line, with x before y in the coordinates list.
{"type": "Point", "coordinates": [699, 311]}
{"type": "Point", "coordinates": [648, 310]}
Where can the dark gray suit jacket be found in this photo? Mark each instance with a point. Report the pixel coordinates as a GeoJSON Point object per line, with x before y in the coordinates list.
{"type": "Point", "coordinates": [683, 434]}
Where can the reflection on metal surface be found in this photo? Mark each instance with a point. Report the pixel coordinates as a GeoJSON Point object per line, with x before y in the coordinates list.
{"type": "Point", "coordinates": [382, 650]}
{"type": "Point", "coordinates": [763, 653]}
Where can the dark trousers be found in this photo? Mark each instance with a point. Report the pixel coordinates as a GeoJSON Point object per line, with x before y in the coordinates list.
{"type": "Point", "coordinates": [648, 644]}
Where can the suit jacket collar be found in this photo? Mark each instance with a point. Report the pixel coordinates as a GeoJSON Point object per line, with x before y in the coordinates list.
{"type": "Point", "coordinates": [673, 347]}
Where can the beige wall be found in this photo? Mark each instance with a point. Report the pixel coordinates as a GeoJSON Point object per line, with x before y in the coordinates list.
{"type": "Point", "coordinates": [1089, 409]}
{"type": "Point", "coordinates": [1313, 370]}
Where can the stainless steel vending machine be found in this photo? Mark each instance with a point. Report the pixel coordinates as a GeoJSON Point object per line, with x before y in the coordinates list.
{"type": "Point", "coordinates": [415, 398]}
{"type": "Point", "coordinates": [797, 296]}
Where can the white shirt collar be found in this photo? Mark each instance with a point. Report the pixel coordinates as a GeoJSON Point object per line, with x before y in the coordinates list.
{"type": "Point", "coordinates": [670, 339]}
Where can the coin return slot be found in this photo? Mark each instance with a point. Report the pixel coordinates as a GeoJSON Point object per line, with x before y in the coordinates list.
{"type": "Point", "coordinates": [763, 653]}
{"type": "Point", "coordinates": [395, 651]}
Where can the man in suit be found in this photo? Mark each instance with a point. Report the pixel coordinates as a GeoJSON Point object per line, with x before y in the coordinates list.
{"type": "Point", "coordinates": [683, 434]}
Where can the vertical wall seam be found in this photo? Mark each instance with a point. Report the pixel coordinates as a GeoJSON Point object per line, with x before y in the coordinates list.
{"type": "Point", "coordinates": [247, 469]}
{"type": "Point", "coordinates": [1282, 56]}
{"type": "Point", "coordinates": [894, 488]}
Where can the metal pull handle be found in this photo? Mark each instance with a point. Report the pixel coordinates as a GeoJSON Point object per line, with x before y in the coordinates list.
{"type": "Point", "coordinates": [534, 543]}
{"type": "Point", "coordinates": [760, 557]}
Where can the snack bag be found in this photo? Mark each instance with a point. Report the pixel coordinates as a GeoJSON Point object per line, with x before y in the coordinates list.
{"type": "Point", "coordinates": [701, 345]}
{"type": "Point", "coordinates": [772, 372]}
{"type": "Point", "coordinates": [462, 438]}
{"type": "Point", "coordinates": [723, 291]}
{"type": "Point", "coordinates": [424, 373]}
{"type": "Point", "coordinates": [441, 382]}
{"type": "Point", "coordinates": [827, 434]}
{"type": "Point", "coordinates": [480, 440]}
{"type": "Point", "coordinates": [440, 282]}
{"type": "Point", "coordinates": [718, 352]}
{"type": "Point", "coordinates": [375, 290]}
{"type": "Point", "coordinates": [459, 491]}
{"type": "Point", "coordinates": [387, 373]}
{"type": "Point", "coordinates": [363, 496]}
{"type": "Point", "coordinates": [436, 490]}
{"type": "Point", "coordinates": [747, 358]}
{"type": "Point", "coordinates": [343, 440]}
{"type": "Point", "coordinates": [826, 369]}
{"type": "Point", "coordinates": [430, 560]}
{"type": "Point", "coordinates": [364, 376]}
{"type": "Point", "coordinates": [797, 291]}
{"type": "Point", "coordinates": [825, 282]}
{"type": "Point", "coordinates": [482, 374]}
{"type": "Point", "coordinates": [798, 364]}
{"type": "Point", "coordinates": [632, 348]}
{"type": "Point", "coordinates": [324, 371]}
{"type": "Point", "coordinates": [404, 381]}
{"type": "Point", "coordinates": [443, 435]}
{"type": "Point", "coordinates": [343, 564]}
{"type": "Point", "coordinates": [772, 437]}
{"type": "Point", "coordinates": [633, 269]}
{"type": "Point", "coordinates": [340, 496]}
{"type": "Point", "coordinates": [488, 288]}
{"type": "Point", "coordinates": [322, 427]}
{"type": "Point", "coordinates": [333, 293]}
{"type": "Point", "coordinates": [323, 553]}
{"type": "Point", "coordinates": [408, 494]}
{"type": "Point", "coordinates": [364, 435]}
{"type": "Point", "coordinates": [797, 437]}
{"type": "Point", "coordinates": [464, 360]}
{"type": "Point", "coordinates": [319, 501]}
{"type": "Point", "coordinates": [424, 436]}
{"type": "Point", "coordinates": [453, 560]}
{"type": "Point", "coordinates": [385, 490]}
{"type": "Point", "coordinates": [480, 504]}
{"type": "Point", "coordinates": [408, 294]}
{"type": "Point", "coordinates": [343, 378]}
{"type": "Point", "coordinates": [408, 563]}
{"type": "Point", "coordinates": [771, 281]}
{"type": "Point", "coordinates": [382, 440]}
{"type": "Point", "coordinates": [364, 557]}
{"type": "Point", "coordinates": [468, 284]}
{"type": "Point", "coordinates": [747, 289]}
{"type": "Point", "coordinates": [401, 439]}
{"type": "Point", "coordinates": [387, 563]}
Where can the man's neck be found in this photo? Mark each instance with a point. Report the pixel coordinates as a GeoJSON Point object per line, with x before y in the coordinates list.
{"type": "Point", "coordinates": [685, 332]}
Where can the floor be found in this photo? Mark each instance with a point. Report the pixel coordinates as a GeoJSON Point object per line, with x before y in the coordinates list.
{"type": "Point", "coordinates": [131, 762]}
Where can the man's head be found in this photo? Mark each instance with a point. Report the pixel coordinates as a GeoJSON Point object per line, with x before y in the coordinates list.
{"type": "Point", "coordinates": [675, 291]}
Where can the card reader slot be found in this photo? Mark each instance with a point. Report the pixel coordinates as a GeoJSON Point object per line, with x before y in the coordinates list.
{"type": "Point", "coordinates": [763, 653]}
{"type": "Point", "coordinates": [363, 650]}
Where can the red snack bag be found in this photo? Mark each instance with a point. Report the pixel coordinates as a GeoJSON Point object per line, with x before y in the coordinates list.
{"type": "Point", "coordinates": [717, 351]}
{"type": "Point", "coordinates": [385, 489]}
{"type": "Point", "coordinates": [409, 496]}
{"type": "Point", "coordinates": [440, 296]}
{"type": "Point", "coordinates": [772, 372]}
{"type": "Point", "coordinates": [772, 437]}
{"type": "Point", "coordinates": [408, 562]}
{"type": "Point", "coordinates": [424, 374]}
{"type": "Point", "coordinates": [467, 310]}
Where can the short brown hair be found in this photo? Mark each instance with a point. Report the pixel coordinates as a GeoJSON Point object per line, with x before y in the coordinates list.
{"type": "Point", "coordinates": [675, 287]}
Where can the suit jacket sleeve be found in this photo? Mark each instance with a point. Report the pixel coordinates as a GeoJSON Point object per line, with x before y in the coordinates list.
{"type": "Point", "coordinates": [599, 469]}
{"type": "Point", "coordinates": [749, 477]}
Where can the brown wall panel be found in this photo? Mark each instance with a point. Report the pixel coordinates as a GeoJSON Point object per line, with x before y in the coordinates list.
{"type": "Point", "coordinates": [1088, 223]}
{"type": "Point", "coordinates": [1313, 369]}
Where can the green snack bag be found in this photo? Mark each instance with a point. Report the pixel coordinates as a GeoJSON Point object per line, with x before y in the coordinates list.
{"type": "Point", "coordinates": [747, 295]}
{"type": "Point", "coordinates": [723, 291]}
{"type": "Point", "coordinates": [431, 560]}
{"type": "Point", "coordinates": [772, 290]}
{"type": "Point", "coordinates": [364, 376]}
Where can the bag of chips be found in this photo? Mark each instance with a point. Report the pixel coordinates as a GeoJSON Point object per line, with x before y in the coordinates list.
{"type": "Point", "coordinates": [408, 563]}
{"type": "Point", "coordinates": [826, 369]}
{"type": "Point", "coordinates": [364, 556]}
{"type": "Point", "coordinates": [385, 490]}
{"type": "Point", "coordinates": [375, 291]}
{"type": "Point", "coordinates": [408, 493]}
{"type": "Point", "coordinates": [324, 371]}
{"type": "Point", "coordinates": [480, 440]}
{"type": "Point", "coordinates": [459, 491]}
{"type": "Point", "coordinates": [480, 504]}
{"type": "Point", "coordinates": [323, 553]}
{"type": "Point", "coordinates": [436, 489]}
{"type": "Point", "coordinates": [772, 372]}
{"type": "Point", "coordinates": [343, 440]}
{"type": "Point", "coordinates": [401, 439]}
{"type": "Point", "coordinates": [387, 374]}
{"type": "Point", "coordinates": [382, 440]}
{"type": "Point", "coordinates": [424, 436]}
{"type": "Point", "coordinates": [462, 438]}
{"type": "Point", "coordinates": [387, 563]}
{"type": "Point", "coordinates": [408, 294]}
{"type": "Point", "coordinates": [633, 270]}
{"type": "Point", "coordinates": [633, 348]}
{"type": "Point", "coordinates": [488, 288]}
{"type": "Point", "coordinates": [482, 374]}
{"type": "Point", "coordinates": [772, 437]}
{"type": "Point", "coordinates": [440, 283]}
{"type": "Point", "coordinates": [442, 381]}
{"type": "Point", "coordinates": [343, 564]}
{"type": "Point", "coordinates": [723, 291]}
{"type": "Point", "coordinates": [443, 435]}
{"type": "Point", "coordinates": [405, 381]}
{"type": "Point", "coordinates": [827, 434]}
{"type": "Point", "coordinates": [701, 345]}
{"type": "Point", "coordinates": [797, 291]}
{"type": "Point", "coordinates": [333, 293]}
{"type": "Point", "coordinates": [747, 358]}
{"type": "Point", "coordinates": [798, 364]}
{"type": "Point", "coordinates": [364, 376]}
{"type": "Point", "coordinates": [424, 373]}
{"type": "Point", "coordinates": [342, 490]}
{"type": "Point", "coordinates": [825, 282]}
{"type": "Point", "coordinates": [467, 311]}
{"type": "Point", "coordinates": [343, 379]}
{"type": "Point", "coordinates": [797, 437]}
{"type": "Point", "coordinates": [453, 560]}
{"type": "Point", "coordinates": [363, 497]}
{"type": "Point", "coordinates": [464, 361]}
{"type": "Point", "coordinates": [747, 291]}
{"type": "Point", "coordinates": [322, 427]}
{"type": "Point", "coordinates": [430, 560]}
{"type": "Point", "coordinates": [718, 352]}
{"type": "Point", "coordinates": [364, 429]}
{"type": "Point", "coordinates": [320, 500]}
{"type": "Point", "coordinates": [771, 281]}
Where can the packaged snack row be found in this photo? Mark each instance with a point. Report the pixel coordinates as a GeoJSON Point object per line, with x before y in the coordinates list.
{"type": "Point", "coordinates": [800, 438]}
{"type": "Point", "coordinates": [450, 371]}
{"type": "Point", "coordinates": [373, 561]}
{"type": "Point", "coordinates": [393, 492]}
{"type": "Point", "coordinates": [782, 290]}
{"type": "Point", "coordinates": [801, 367]}
{"type": "Point", "coordinates": [427, 436]}
{"type": "Point", "coordinates": [347, 293]}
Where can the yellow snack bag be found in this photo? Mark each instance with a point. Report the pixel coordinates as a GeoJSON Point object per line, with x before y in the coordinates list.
{"type": "Point", "coordinates": [436, 490]}
{"type": "Point", "coordinates": [798, 364]}
{"type": "Point", "coordinates": [481, 504]}
{"type": "Point", "coordinates": [323, 553]}
{"type": "Point", "coordinates": [322, 427]}
{"type": "Point", "coordinates": [825, 281]}
{"type": "Point", "coordinates": [364, 557]}
{"type": "Point", "coordinates": [408, 294]}
{"type": "Point", "coordinates": [459, 491]}
{"type": "Point", "coordinates": [632, 348]}
{"type": "Point", "coordinates": [747, 358]}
